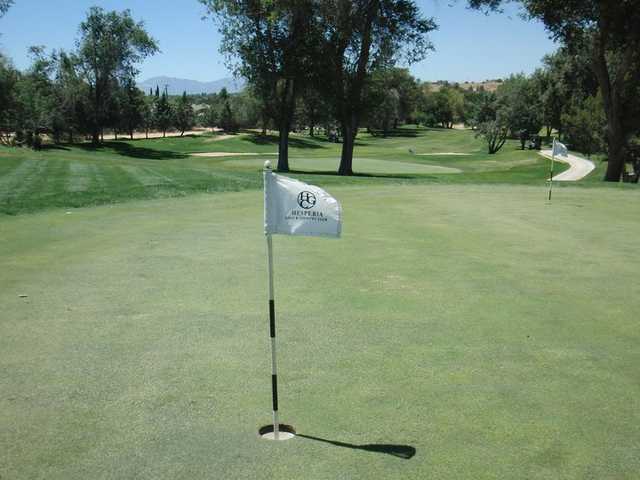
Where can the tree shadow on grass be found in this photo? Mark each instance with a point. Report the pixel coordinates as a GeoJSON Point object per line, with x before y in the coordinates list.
{"type": "Point", "coordinates": [399, 132]}
{"type": "Point", "coordinates": [128, 150]}
{"type": "Point", "coordinates": [333, 173]}
{"type": "Point", "coordinates": [54, 147]}
{"type": "Point", "coordinates": [401, 451]}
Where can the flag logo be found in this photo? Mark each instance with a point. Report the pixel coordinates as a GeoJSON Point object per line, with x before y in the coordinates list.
{"type": "Point", "coordinates": [306, 200]}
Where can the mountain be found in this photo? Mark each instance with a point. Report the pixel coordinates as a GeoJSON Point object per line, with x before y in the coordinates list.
{"type": "Point", "coordinates": [175, 86]}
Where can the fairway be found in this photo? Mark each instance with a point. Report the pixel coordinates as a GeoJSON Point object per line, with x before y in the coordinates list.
{"type": "Point", "coordinates": [494, 334]}
{"type": "Point", "coordinates": [365, 166]}
{"type": "Point", "coordinates": [70, 176]}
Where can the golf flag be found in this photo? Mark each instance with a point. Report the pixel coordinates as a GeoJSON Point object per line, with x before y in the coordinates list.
{"type": "Point", "coordinates": [559, 149]}
{"type": "Point", "coordinates": [292, 207]}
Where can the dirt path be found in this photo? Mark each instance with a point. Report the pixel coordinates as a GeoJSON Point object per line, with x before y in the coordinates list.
{"type": "Point", "coordinates": [139, 135]}
{"type": "Point", "coordinates": [579, 167]}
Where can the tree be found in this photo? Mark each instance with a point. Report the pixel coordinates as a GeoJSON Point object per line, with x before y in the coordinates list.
{"type": "Point", "coordinates": [227, 121]}
{"type": "Point", "coordinates": [132, 107]}
{"type": "Point", "coordinates": [110, 46]}
{"type": "Point", "coordinates": [148, 114]}
{"type": "Point", "coordinates": [480, 107]}
{"type": "Point", "coordinates": [8, 81]}
{"type": "Point", "coordinates": [271, 44]}
{"type": "Point", "coordinates": [71, 98]}
{"type": "Point", "coordinates": [518, 105]}
{"type": "Point", "coordinates": [314, 109]}
{"type": "Point", "coordinates": [357, 38]}
{"type": "Point", "coordinates": [35, 99]}
{"type": "Point", "coordinates": [494, 133]}
{"type": "Point", "coordinates": [391, 97]}
{"type": "Point", "coordinates": [184, 116]}
{"type": "Point", "coordinates": [163, 114]}
{"type": "Point", "coordinates": [585, 125]}
{"type": "Point", "coordinates": [607, 33]}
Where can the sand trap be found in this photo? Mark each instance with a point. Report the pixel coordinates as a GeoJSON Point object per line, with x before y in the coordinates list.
{"type": "Point", "coordinates": [444, 153]}
{"type": "Point", "coordinates": [227, 154]}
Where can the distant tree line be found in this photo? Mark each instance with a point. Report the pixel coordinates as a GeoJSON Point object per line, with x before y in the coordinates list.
{"type": "Point", "coordinates": [331, 65]}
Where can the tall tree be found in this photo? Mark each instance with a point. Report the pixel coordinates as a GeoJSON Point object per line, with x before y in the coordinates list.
{"type": "Point", "coordinates": [184, 116]}
{"type": "Point", "coordinates": [71, 95]}
{"type": "Point", "coordinates": [359, 37]}
{"type": "Point", "coordinates": [608, 34]}
{"type": "Point", "coordinates": [35, 98]}
{"type": "Point", "coordinates": [132, 107]}
{"type": "Point", "coordinates": [8, 80]}
{"type": "Point", "coordinates": [518, 104]}
{"type": "Point", "coordinates": [163, 114]}
{"type": "Point", "coordinates": [111, 44]}
{"type": "Point", "coordinates": [272, 44]}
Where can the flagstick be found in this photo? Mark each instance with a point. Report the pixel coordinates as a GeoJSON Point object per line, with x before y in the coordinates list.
{"type": "Point", "coordinates": [553, 149]}
{"type": "Point", "coordinates": [272, 330]}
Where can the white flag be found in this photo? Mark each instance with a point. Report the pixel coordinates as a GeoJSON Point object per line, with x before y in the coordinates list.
{"type": "Point", "coordinates": [559, 149]}
{"type": "Point", "coordinates": [292, 207]}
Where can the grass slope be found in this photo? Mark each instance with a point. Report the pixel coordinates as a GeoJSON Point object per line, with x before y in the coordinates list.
{"type": "Point", "coordinates": [495, 335]}
{"type": "Point", "coordinates": [75, 176]}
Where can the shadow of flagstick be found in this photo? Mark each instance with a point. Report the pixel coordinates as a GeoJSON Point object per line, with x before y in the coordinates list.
{"type": "Point", "coordinates": [400, 451]}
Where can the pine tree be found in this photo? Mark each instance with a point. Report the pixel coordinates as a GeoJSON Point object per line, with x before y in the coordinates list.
{"type": "Point", "coordinates": [163, 114]}
{"type": "Point", "coordinates": [185, 117]}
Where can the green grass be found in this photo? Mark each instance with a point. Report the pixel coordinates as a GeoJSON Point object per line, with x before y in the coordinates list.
{"type": "Point", "coordinates": [80, 175]}
{"type": "Point", "coordinates": [494, 334]}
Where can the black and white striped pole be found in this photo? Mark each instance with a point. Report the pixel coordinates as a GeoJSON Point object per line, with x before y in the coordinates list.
{"type": "Point", "coordinates": [276, 431]}
{"type": "Point", "coordinates": [553, 154]}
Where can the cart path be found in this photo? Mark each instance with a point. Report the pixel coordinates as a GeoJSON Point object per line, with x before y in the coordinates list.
{"type": "Point", "coordinates": [579, 167]}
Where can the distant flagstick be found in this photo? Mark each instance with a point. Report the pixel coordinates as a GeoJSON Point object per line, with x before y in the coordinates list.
{"type": "Point", "coordinates": [557, 149]}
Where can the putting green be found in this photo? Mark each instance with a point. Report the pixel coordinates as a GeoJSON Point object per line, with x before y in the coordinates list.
{"type": "Point", "coordinates": [495, 335]}
{"type": "Point", "coordinates": [360, 165]}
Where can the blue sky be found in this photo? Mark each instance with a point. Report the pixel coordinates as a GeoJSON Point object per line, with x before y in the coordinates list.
{"type": "Point", "coordinates": [469, 45]}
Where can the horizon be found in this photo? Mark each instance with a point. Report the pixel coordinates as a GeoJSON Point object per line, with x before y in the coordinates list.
{"type": "Point", "coordinates": [518, 44]}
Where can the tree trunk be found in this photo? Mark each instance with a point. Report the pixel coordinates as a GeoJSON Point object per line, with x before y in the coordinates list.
{"type": "Point", "coordinates": [617, 151]}
{"type": "Point", "coordinates": [146, 133]}
{"type": "Point", "coordinates": [349, 131]}
{"type": "Point", "coordinates": [131, 134]}
{"type": "Point", "coordinates": [115, 134]}
{"type": "Point", "coordinates": [283, 149]}
{"type": "Point", "coordinates": [311, 130]}
{"type": "Point", "coordinates": [287, 105]}
{"type": "Point", "coordinates": [613, 108]}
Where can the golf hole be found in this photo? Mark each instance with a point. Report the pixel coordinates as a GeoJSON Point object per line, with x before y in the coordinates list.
{"type": "Point", "coordinates": [286, 432]}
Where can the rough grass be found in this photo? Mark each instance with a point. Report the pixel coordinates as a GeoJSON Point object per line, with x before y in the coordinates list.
{"type": "Point", "coordinates": [80, 175]}
{"type": "Point", "coordinates": [492, 333]}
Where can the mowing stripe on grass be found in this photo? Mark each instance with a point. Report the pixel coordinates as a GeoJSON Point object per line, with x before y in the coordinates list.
{"type": "Point", "coordinates": [79, 177]}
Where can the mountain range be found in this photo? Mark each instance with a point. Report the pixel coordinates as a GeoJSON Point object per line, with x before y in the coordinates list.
{"type": "Point", "coordinates": [175, 86]}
